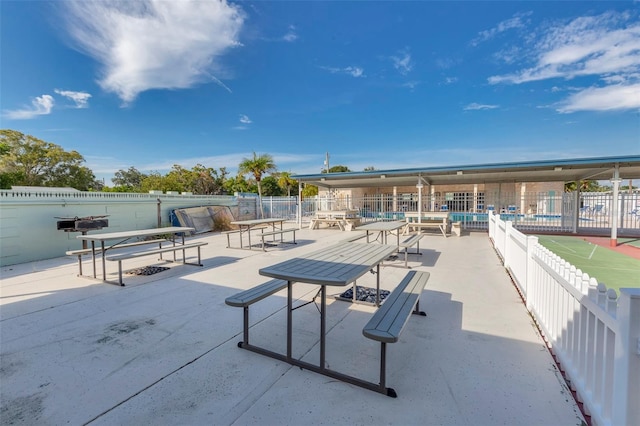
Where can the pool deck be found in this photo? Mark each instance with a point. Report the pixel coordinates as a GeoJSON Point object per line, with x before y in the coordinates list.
{"type": "Point", "coordinates": [162, 350]}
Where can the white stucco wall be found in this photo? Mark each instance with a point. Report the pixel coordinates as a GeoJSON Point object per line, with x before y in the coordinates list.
{"type": "Point", "coordinates": [28, 224]}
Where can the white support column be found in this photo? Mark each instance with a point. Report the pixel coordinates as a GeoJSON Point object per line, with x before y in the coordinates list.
{"type": "Point", "coordinates": [614, 207]}
{"type": "Point", "coordinates": [419, 187]}
{"type": "Point", "coordinates": [299, 212]}
{"type": "Point", "coordinates": [432, 203]}
{"type": "Point", "coordinates": [475, 198]}
{"type": "Point", "coordinates": [395, 199]}
{"type": "Point", "coordinates": [576, 214]}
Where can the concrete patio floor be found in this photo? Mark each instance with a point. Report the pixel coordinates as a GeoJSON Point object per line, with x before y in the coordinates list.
{"type": "Point", "coordinates": [162, 350]}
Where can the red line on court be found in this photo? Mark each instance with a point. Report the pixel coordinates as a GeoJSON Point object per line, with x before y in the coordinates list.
{"type": "Point", "coordinates": [625, 249]}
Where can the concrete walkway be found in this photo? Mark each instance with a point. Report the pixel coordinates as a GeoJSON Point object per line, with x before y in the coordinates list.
{"type": "Point", "coordinates": [162, 350]}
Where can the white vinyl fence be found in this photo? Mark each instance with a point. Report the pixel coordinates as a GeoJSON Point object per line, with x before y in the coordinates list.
{"type": "Point", "coordinates": [593, 333]}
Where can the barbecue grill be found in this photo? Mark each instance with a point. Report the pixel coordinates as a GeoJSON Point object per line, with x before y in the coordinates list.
{"type": "Point", "coordinates": [82, 224]}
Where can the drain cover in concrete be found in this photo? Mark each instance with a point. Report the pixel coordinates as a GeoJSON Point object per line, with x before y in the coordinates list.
{"type": "Point", "coordinates": [364, 294]}
{"type": "Point", "coordinates": [147, 270]}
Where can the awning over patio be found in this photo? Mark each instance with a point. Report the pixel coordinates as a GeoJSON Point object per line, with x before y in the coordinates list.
{"type": "Point", "coordinates": [567, 170]}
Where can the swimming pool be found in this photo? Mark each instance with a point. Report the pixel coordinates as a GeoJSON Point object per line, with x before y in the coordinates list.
{"type": "Point", "coordinates": [473, 217]}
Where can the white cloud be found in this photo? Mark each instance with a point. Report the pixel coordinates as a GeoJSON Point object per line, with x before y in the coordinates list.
{"type": "Point", "coordinates": [81, 99]}
{"type": "Point", "coordinates": [609, 98]}
{"type": "Point", "coordinates": [606, 46]}
{"type": "Point", "coordinates": [245, 119]}
{"type": "Point", "coordinates": [291, 35]}
{"type": "Point", "coordinates": [517, 21]}
{"type": "Point", "coordinates": [41, 105]}
{"type": "Point", "coordinates": [351, 70]}
{"type": "Point", "coordinates": [402, 62]}
{"type": "Point", "coordinates": [476, 106]}
{"type": "Point", "coordinates": [154, 44]}
{"type": "Point", "coordinates": [411, 84]}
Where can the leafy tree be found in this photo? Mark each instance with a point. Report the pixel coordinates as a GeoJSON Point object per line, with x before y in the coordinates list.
{"type": "Point", "coordinates": [337, 169]}
{"type": "Point", "coordinates": [207, 180]}
{"type": "Point", "coordinates": [237, 184]}
{"type": "Point", "coordinates": [286, 182]}
{"type": "Point", "coordinates": [257, 166]}
{"type": "Point", "coordinates": [180, 179]}
{"type": "Point", "coordinates": [157, 182]}
{"type": "Point", "coordinates": [130, 180]}
{"type": "Point", "coordinates": [27, 160]}
{"type": "Point", "coordinates": [270, 187]}
{"type": "Point", "coordinates": [369, 169]}
{"type": "Point", "coordinates": [7, 177]}
{"type": "Point", "coordinates": [585, 186]}
{"type": "Point", "coordinates": [309, 191]}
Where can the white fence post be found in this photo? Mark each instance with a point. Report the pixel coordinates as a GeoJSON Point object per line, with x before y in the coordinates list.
{"type": "Point", "coordinates": [532, 242]}
{"type": "Point", "coordinates": [626, 392]}
{"type": "Point", "coordinates": [507, 244]}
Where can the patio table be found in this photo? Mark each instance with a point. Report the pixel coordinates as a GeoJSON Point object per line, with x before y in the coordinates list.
{"type": "Point", "coordinates": [338, 265]}
{"type": "Point", "coordinates": [383, 229]}
{"type": "Point", "coordinates": [248, 225]}
{"type": "Point", "coordinates": [124, 236]}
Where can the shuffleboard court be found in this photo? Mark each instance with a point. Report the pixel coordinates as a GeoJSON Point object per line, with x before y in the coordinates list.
{"type": "Point", "coordinates": [614, 269]}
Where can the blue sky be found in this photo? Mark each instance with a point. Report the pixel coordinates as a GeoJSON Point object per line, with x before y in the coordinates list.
{"type": "Point", "coordinates": [378, 84]}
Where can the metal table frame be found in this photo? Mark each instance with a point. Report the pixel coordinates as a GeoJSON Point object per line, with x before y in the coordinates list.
{"type": "Point", "coordinates": [383, 229]}
{"type": "Point", "coordinates": [248, 225]}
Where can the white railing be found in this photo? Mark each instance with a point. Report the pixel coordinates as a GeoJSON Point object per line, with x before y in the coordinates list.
{"type": "Point", "coordinates": [529, 211]}
{"type": "Point", "coordinates": [593, 333]}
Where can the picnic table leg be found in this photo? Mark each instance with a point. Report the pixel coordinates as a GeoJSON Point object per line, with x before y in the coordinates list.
{"type": "Point", "coordinates": [383, 373]}
{"type": "Point", "coordinates": [378, 285]}
{"type": "Point", "coordinates": [104, 267]}
{"type": "Point", "coordinates": [120, 273]}
{"type": "Point", "coordinates": [245, 325]}
{"type": "Point", "coordinates": [93, 256]}
{"type": "Point", "coordinates": [323, 324]}
{"type": "Point", "coordinates": [289, 317]}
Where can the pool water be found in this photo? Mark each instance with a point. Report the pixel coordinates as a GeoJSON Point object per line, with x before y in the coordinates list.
{"type": "Point", "coordinates": [473, 217]}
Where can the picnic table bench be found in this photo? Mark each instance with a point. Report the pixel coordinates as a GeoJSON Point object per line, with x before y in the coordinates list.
{"type": "Point", "coordinates": [280, 232]}
{"type": "Point", "coordinates": [389, 320]}
{"type": "Point", "coordinates": [344, 219]}
{"type": "Point", "coordinates": [408, 243]}
{"type": "Point", "coordinates": [123, 239]}
{"type": "Point", "coordinates": [84, 251]}
{"type": "Point", "coordinates": [178, 247]}
{"type": "Point", "coordinates": [246, 226]}
{"type": "Point", "coordinates": [246, 298]}
{"type": "Point", "coordinates": [432, 220]}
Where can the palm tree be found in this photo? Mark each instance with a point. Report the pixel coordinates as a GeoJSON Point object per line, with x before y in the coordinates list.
{"type": "Point", "coordinates": [285, 181]}
{"type": "Point", "coordinates": [257, 166]}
